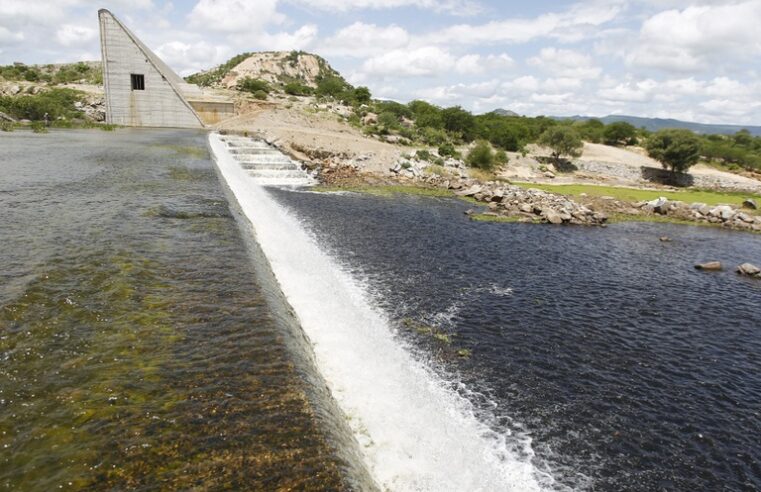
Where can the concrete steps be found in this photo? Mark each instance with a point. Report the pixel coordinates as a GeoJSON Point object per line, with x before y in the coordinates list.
{"type": "Point", "coordinates": [266, 165]}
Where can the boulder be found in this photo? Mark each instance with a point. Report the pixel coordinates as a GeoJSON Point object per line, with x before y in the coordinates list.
{"type": "Point", "coordinates": [750, 204]}
{"type": "Point", "coordinates": [370, 119]}
{"type": "Point", "coordinates": [472, 191]}
{"type": "Point", "coordinates": [744, 217]}
{"type": "Point", "coordinates": [552, 217]}
{"type": "Point", "coordinates": [527, 208]}
{"type": "Point", "coordinates": [749, 270]}
{"type": "Point", "coordinates": [711, 266]}
{"type": "Point", "coordinates": [723, 212]}
{"type": "Point", "coordinates": [659, 206]}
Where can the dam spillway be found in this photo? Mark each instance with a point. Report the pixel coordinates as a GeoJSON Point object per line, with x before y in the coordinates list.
{"type": "Point", "coordinates": [264, 163]}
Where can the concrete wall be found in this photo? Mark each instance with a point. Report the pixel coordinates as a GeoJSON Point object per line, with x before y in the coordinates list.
{"type": "Point", "coordinates": [161, 104]}
{"type": "Point", "coordinates": [212, 112]}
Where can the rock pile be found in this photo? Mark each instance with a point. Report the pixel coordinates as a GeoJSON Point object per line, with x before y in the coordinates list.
{"type": "Point", "coordinates": [724, 215]}
{"type": "Point", "coordinates": [413, 168]}
{"type": "Point", "coordinates": [529, 205]}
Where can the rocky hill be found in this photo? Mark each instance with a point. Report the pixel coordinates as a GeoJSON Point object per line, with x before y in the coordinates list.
{"type": "Point", "coordinates": [274, 67]}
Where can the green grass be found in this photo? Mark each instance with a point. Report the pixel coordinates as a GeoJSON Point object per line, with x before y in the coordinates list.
{"type": "Point", "coordinates": [495, 218]}
{"type": "Point", "coordinates": [635, 195]}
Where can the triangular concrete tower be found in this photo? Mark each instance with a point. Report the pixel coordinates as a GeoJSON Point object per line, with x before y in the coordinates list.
{"type": "Point", "coordinates": [141, 90]}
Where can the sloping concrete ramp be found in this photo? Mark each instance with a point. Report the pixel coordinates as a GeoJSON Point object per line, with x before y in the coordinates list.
{"type": "Point", "coordinates": [264, 164]}
{"type": "Point", "coordinates": [141, 90]}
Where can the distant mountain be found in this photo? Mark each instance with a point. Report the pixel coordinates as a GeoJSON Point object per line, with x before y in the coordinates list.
{"type": "Point", "coordinates": [655, 124]}
{"type": "Point", "coordinates": [505, 112]}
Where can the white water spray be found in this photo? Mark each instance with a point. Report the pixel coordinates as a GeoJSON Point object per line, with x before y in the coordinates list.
{"type": "Point", "coordinates": [415, 434]}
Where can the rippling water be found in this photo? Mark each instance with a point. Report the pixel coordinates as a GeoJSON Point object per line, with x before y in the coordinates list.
{"type": "Point", "coordinates": [143, 344]}
{"type": "Point", "coordinates": [628, 369]}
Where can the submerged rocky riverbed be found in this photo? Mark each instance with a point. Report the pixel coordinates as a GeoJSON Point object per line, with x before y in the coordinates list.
{"type": "Point", "coordinates": [142, 344]}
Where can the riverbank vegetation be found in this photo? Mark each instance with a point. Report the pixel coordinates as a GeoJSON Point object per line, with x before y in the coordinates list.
{"type": "Point", "coordinates": [68, 73]}
{"type": "Point", "coordinates": [55, 103]}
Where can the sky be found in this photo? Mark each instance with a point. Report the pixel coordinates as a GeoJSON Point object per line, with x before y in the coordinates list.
{"type": "Point", "coordinates": [696, 60]}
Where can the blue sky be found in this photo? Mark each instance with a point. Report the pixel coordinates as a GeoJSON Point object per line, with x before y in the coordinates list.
{"type": "Point", "coordinates": [697, 60]}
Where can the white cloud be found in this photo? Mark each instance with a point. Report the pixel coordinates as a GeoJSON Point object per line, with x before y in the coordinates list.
{"type": "Point", "coordinates": [698, 37]}
{"type": "Point", "coordinates": [641, 91]}
{"type": "Point", "coordinates": [361, 40]}
{"type": "Point", "coordinates": [74, 35]}
{"type": "Point", "coordinates": [456, 7]}
{"type": "Point", "coordinates": [234, 16]}
{"type": "Point", "coordinates": [419, 62]}
{"type": "Point", "coordinates": [475, 64]}
{"type": "Point", "coordinates": [284, 41]}
{"type": "Point", "coordinates": [565, 63]}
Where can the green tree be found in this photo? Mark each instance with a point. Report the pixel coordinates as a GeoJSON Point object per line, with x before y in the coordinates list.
{"type": "Point", "coordinates": [361, 95]}
{"type": "Point", "coordinates": [388, 120]}
{"type": "Point", "coordinates": [620, 133]}
{"type": "Point", "coordinates": [457, 120]}
{"type": "Point", "coordinates": [676, 150]}
{"type": "Point", "coordinates": [426, 115]}
{"type": "Point", "coordinates": [481, 156]}
{"type": "Point", "coordinates": [331, 86]}
{"type": "Point", "coordinates": [590, 130]}
{"type": "Point", "coordinates": [563, 141]}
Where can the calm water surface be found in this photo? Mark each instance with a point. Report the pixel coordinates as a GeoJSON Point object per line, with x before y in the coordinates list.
{"type": "Point", "coordinates": [142, 345]}
{"type": "Point", "coordinates": [627, 368]}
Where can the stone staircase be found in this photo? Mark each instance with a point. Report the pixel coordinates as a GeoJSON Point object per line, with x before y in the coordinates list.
{"type": "Point", "coordinates": [265, 164]}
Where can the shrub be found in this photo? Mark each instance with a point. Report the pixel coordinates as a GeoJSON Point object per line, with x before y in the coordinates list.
{"type": "Point", "coordinates": [57, 103]}
{"type": "Point", "coordinates": [500, 157]}
{"type": "Point", "coordinates": [423, 155]}
{"type": "Point", "coordinates": [6, 126]}
{"type": "Point", "coordinates": [388, 120]}
{"type": "Point", "coordinates": [297, 89]}
{"type": "Point", "coordinates": [481, 156]}
{"type": "Point", "coordinates": [261, 95]}
{"type": "Point", "coordinates": [447, 149]}
{"type": "Point", "coordinates": [563, 141]}
{"type": "Point", "coordinates": [433, 136]}
{"type": "Point", "coordinates": [253, 86]}
{"type": "Point", "coordinates": [676, 150]}
{"type": "Point", "coordinates": [38, 127]}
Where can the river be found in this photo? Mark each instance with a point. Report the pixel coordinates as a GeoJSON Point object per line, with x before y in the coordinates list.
{"type": "Point", "coordinates": [166, 325]}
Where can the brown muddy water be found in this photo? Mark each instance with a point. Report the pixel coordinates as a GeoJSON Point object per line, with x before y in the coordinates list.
{"type": "Point", "coordinates": [144, 345]}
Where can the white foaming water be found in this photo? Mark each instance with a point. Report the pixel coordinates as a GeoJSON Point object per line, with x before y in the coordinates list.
{"type": "Point", "coordinates": [415, 433]}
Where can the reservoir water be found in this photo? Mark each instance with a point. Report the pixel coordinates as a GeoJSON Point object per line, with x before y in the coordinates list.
{"type": "Point", "coordinates": [162, 329]}
{"type": "Point", "coordinates": [143, 343]}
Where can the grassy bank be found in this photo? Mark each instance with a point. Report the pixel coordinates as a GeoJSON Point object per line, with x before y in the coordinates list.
{"type": "Point", "coordinates": [636, 195]}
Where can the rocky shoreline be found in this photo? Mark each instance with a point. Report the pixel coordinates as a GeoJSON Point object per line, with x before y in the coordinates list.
{"type": "Point", "coordinates": [510, 202]}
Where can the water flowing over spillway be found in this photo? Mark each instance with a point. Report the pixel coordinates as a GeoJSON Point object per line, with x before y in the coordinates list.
{"type": "Point", "coordinates": [415, 433]}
